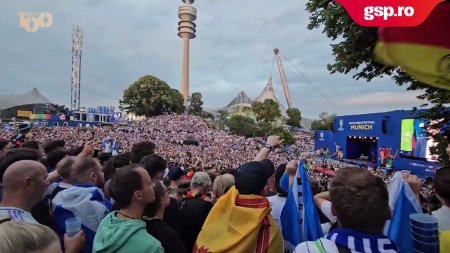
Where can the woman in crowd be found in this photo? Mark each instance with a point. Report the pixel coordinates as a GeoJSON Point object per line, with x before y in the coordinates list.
{"type": "Point", "coordinates": [153, 217]}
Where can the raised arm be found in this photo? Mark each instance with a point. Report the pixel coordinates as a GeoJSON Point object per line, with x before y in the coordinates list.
{"type": "Point", "coordinates": [272, 142]}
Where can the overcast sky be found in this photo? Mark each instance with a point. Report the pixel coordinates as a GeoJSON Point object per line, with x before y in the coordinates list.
{"type": "Point", "coordinates": [233, 51]}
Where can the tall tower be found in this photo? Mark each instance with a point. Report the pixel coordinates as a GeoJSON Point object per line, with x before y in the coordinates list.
{"type": "Point", "coordinates": [186, 30]}
{"type": "Point", "coordinates": [77, 41]}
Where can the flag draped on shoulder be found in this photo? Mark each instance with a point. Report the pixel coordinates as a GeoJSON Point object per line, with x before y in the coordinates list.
{"type": "Point", "coordinates": [299, 217]}
{"type": "Point", "coordinates": [402, 202]}
{"type": "Point", "coordinates": [239, 223]}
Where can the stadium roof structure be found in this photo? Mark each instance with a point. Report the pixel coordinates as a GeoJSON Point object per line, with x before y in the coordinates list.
{"type": "Point", "coordinates": [241, 99]}
{"type": "Point", "coordinates": [268, 93]}
{"type": "Point", "coordinates": [31, 97]}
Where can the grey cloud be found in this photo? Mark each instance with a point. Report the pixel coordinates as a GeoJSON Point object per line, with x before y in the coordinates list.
{"type": "Point", "coordinates": [126, 39]}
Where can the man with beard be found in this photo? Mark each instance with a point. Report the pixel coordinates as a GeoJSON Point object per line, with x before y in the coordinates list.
{"type": "Point", "coordinates": [84, 199]}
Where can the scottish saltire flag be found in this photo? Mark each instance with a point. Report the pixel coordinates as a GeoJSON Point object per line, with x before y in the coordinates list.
{"type": "Point", "coordinates": [299, 218]}
{"type": "Point", "coordinates": [402, 202]}
{"type": "Point", "coordinates": [115, 147]}
{"type": "Point", "coordinates": [84, 201]}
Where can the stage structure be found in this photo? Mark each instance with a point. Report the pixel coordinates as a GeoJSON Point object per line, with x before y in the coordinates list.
{"type": "Point", "coordinates": [397, 140]}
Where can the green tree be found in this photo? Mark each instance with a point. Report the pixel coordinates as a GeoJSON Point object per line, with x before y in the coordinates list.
{"type": "Point", "coordinates": [150, 96]}
{"type": "Point", "coordinates": [325, 122]}
{"type": "Point", "coordinates": [223, 115]}
{"type": "Point", "coordinates": [207, 115]}
{"type": "Point", "coordinates": [241, 125]}
{"type": "Point", "coordinates": [295, 117]}
{"type": "Point", "coordinates": [196, 107]}
{"type": "Point", "coordinates": [267, 111]}
{"type": "Point", "coordinates": [55, 108]}
{"type": "Point", "coordinates": [354, 52]}
{"type": "Point", "coordinates": [284, 134]}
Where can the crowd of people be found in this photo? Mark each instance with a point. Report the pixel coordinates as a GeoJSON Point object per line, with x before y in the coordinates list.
{"type": "Point", "coordinates": [172, 184]}
{"type": "Point", "coordinates": [216, 149]}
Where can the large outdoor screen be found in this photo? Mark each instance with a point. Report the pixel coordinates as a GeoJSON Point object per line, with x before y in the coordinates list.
{"type": "Point", "coordinates": [416, 139]}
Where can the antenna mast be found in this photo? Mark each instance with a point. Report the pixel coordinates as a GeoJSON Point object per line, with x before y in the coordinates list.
{"type": "Point", "coordinates": [283, 78]}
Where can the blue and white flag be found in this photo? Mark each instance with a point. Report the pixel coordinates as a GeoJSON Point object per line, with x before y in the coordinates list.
{"type": "Point", "coordinates": [299, 217]}
{"type": "Point", "coordinates": [84, 201]}
{"type": "Point", "coordinates": [115, 147]}
{"type": "Point", "coordinates": [402, 202]}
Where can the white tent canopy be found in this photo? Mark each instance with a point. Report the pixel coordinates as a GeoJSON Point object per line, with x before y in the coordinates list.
{"type": "Point", "coordinates": [31, 97]}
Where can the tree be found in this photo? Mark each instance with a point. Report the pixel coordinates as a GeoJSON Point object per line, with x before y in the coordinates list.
{"type": "Point", "coordinates": [207, 115]}
{"type": "Point", "coordinates": [223, 115]}
{"type": "Point", "coordinates": [150, 96]}
{"type": "Point", "coordinates": [196, 107]}
{"type": "Point", "coordinates": [267, 111]}
{"type": "Point", "coordinates": [58, 109]}
{"type": "Point", "coordinates": [354, 52]}
{"type": "Point", "coordinates": [284, 134]}
{"type": "Point", "coordinates": [295, 117]}
{"type": "Point", "coordinates": [325, 122]}
{"type": "Point", "coordinates": [241, 125]}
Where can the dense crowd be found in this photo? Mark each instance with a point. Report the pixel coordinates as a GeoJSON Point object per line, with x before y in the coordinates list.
{"type": "Point", "coordinates": [173, 184]}
{"type": "Point", "coordinates": [216, 149]}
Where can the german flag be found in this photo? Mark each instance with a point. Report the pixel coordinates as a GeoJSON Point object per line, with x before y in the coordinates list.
{"type": "Point", "coordinates": [422, 51]}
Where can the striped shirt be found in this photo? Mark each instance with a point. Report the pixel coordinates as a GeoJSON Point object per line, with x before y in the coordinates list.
{"type": "Point", "coordinates": [18, 214]}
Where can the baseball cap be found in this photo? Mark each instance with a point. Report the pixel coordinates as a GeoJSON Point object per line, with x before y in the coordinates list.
{"type": "Point", "coordinates": [252, 176]}
{"type": "Point", "coordinates": [175, 173]}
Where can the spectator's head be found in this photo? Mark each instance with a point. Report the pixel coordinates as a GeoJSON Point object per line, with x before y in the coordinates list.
{"type": "Point", "coordinates": [104, 157]}
{"type": "Point", "coordinates": [360, 200]}
{"type": "Point", "coordinates": [88, 171]}
{"type": "Point", "coordinates": [175, 174]}
{"type": "Point", "coordinates": [278, 174]}
{"type": "Point", "coordinates": [155, 165]}
{"type": "Point", "coordinates": [114, 163]}
{"type": "Point", "coordinates": [131, 185]}
{"type": "Point", "coordinates": [315, 187]}
{"type": "Point", "coordinates": [5, 145]}
{"type": "Point", "coordinates": [54, 157]}
{"type": "Point", "coordinates": [141, 149]}
{"type": "Point", "coordinates": [65, 168]}
{"type": "Point", "coordinates": [442, 185]}
{"type": "Point", "coordinates": [31, 144]}
{"type": "Point", "coordinates": [254, 177]}
{"type": "Point", "coordinates": [183, 189]}
{"type": "Point", "coordinates": [222, 183]}
{"type": "Point", "coordinates": [25, 180]}
{"type": "Point", "coordinates": [15, 155]}
{"type": "Point", "coordinates": [20, 237]}
{"type": "Point", "coordinates": [52, 145]}
{"type": "Point", "coordinates": [162, 200]}
{"type": "Point", "coordinates": [201, 182]}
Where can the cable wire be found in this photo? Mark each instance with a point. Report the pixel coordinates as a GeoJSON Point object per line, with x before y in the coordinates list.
{"type": "Point", "coordinates": [311, 83]}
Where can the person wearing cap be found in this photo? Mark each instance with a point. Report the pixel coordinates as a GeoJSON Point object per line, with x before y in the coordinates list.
{"type": "Point", "coordinates": [240, 221]}
{"type": "Point", "coordinates": [172, 212]}
{"type": "Point", "coordinates": [175, 176]}
{"type": "Point", "coordinates": [194, 209]}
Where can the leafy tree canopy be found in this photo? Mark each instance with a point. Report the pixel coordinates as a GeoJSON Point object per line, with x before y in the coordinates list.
{"type": "Point", "coordinates": [150, 96]}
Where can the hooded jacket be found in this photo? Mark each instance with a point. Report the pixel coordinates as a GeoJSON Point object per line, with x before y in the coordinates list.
{"type": "Point", "coordinates": [124, 235]}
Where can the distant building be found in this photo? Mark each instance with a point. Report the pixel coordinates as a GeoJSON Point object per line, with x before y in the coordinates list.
{"type": "Point", "coordinates": [242, 104]}
{"type": "Point", "coordinates": [21, 106]}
